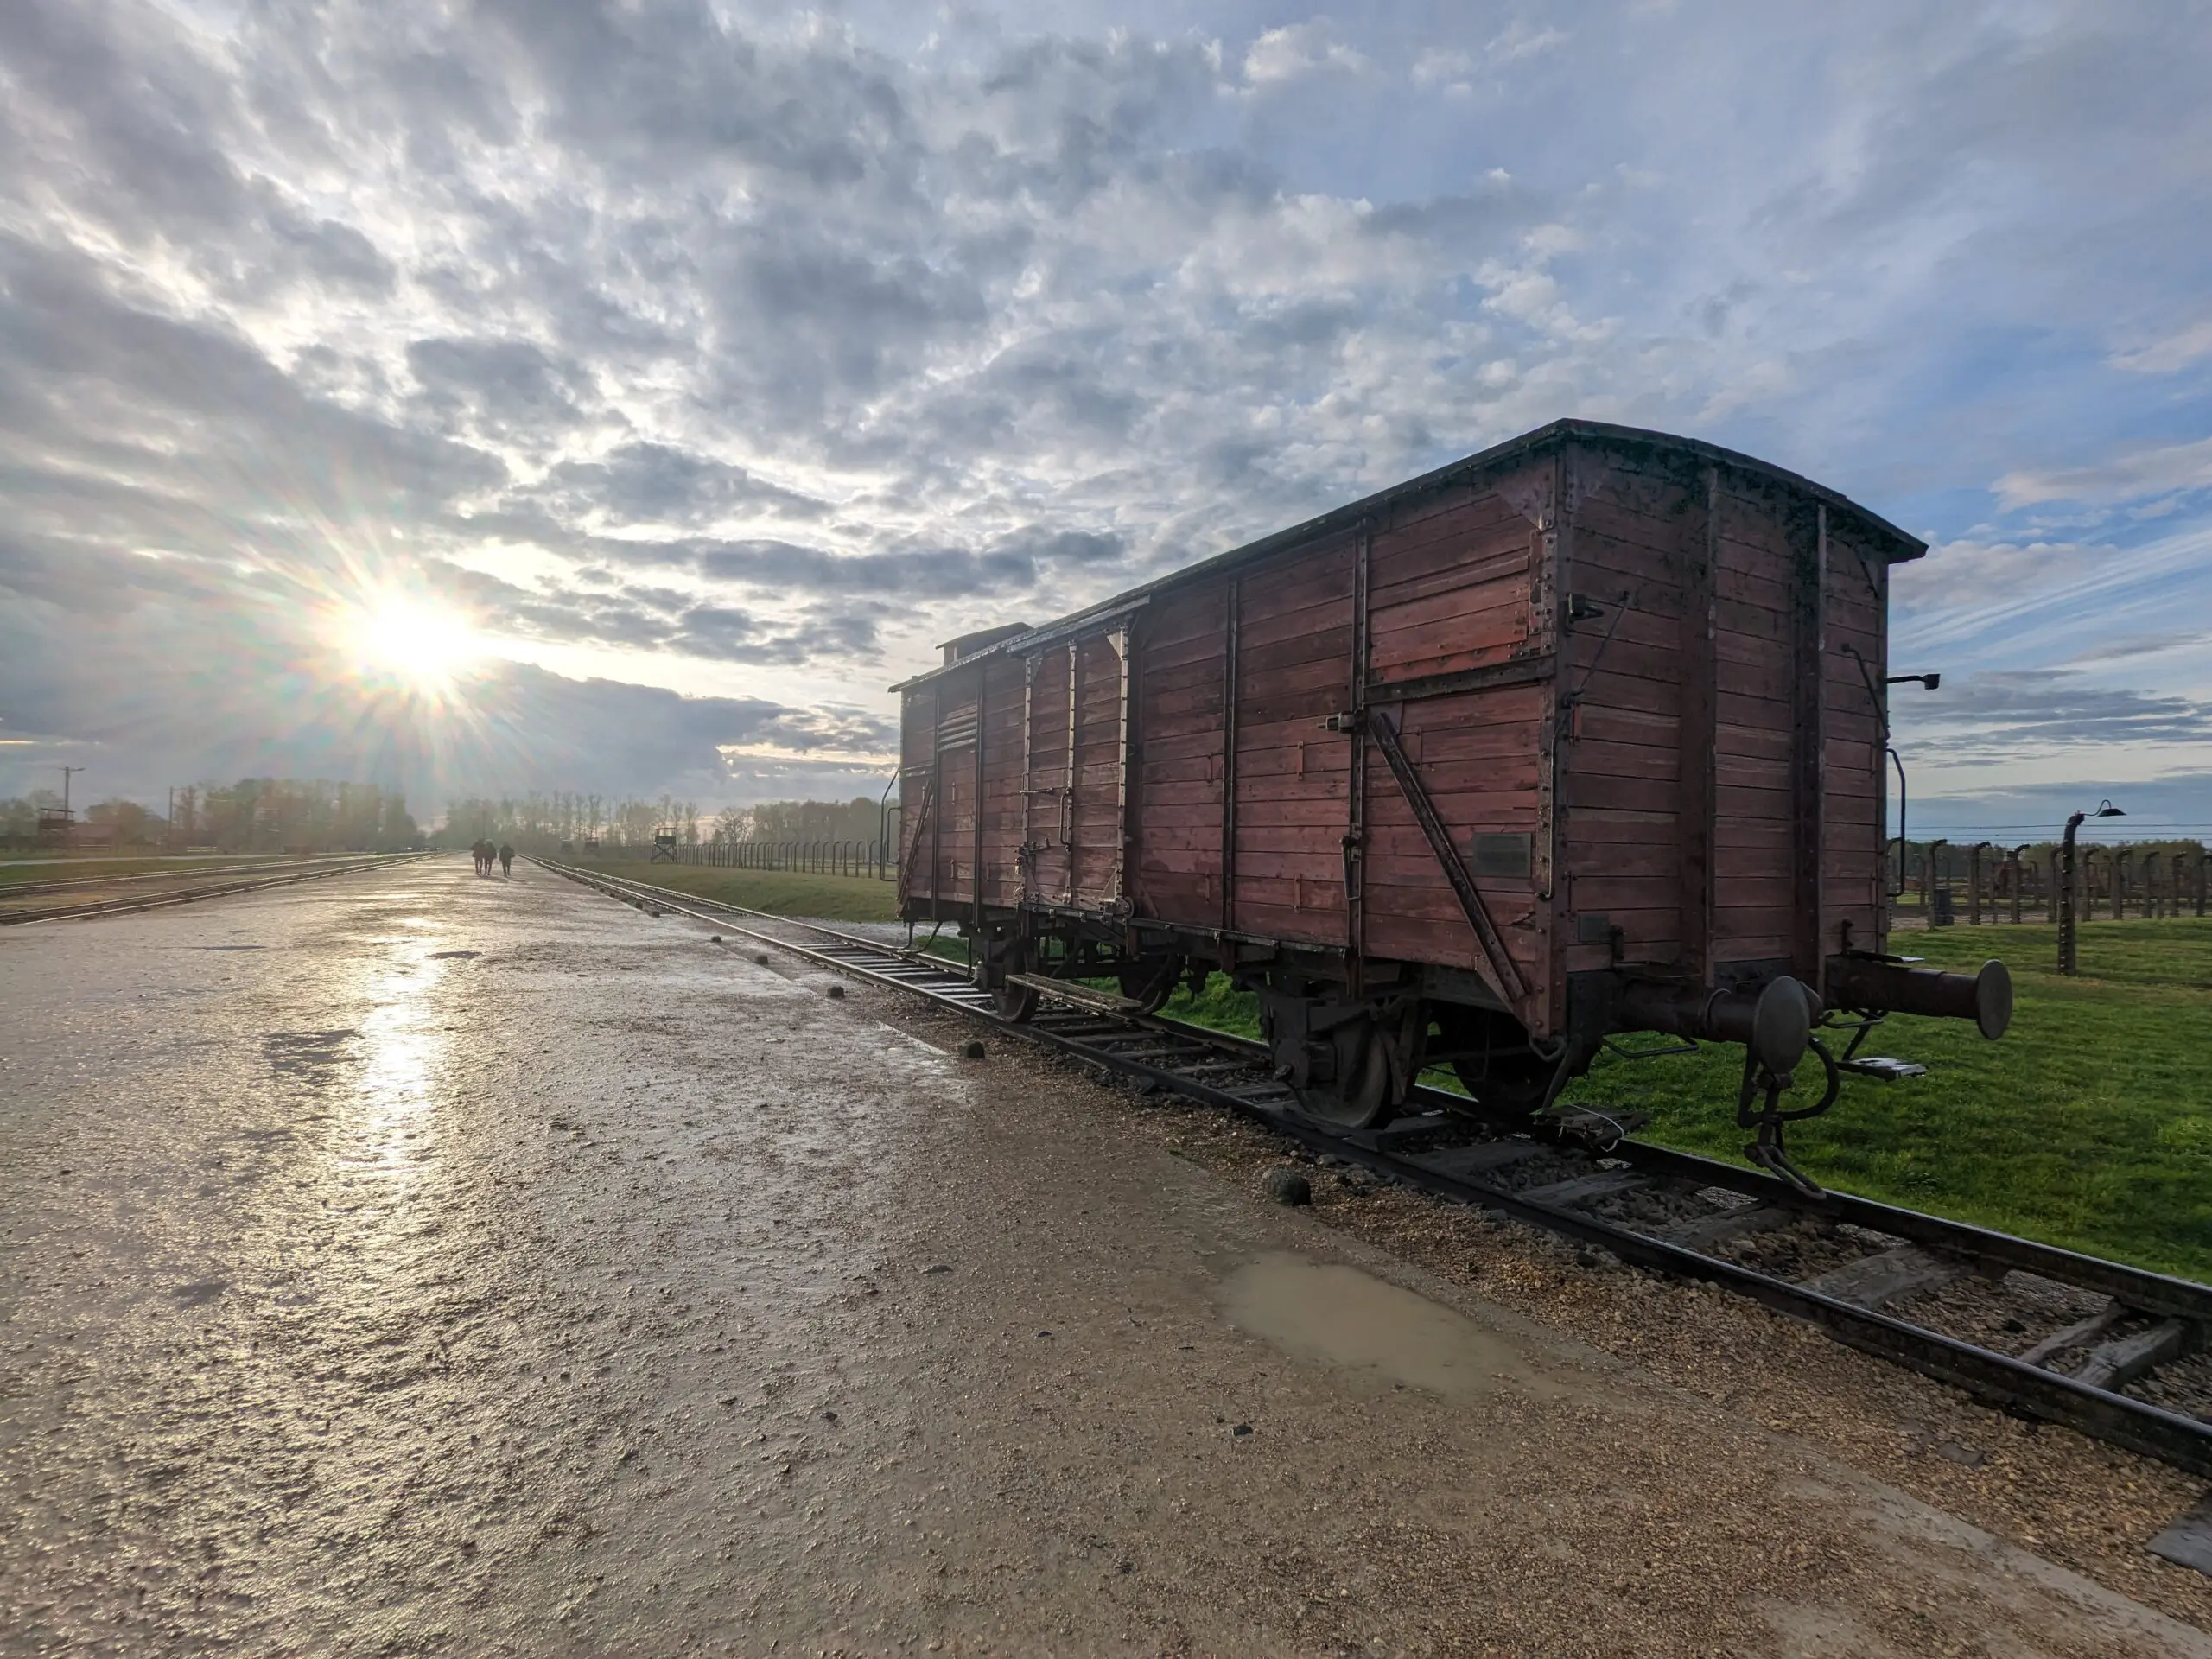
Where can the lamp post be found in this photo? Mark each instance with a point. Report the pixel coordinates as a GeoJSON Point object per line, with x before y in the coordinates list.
{"type": "Point", "coordinates": [2067, 932]}
{"type": "Point", "coordinates": [1875, 695]}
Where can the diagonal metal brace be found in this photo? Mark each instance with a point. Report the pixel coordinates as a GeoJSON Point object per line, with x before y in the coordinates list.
{"type": "Point", "coordinates": [913, 853]}
{"type": "Point", "coordinates": [1455, 868]}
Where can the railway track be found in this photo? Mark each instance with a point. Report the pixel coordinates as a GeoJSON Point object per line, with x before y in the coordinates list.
{"type": "Point", "coordinates": [131, 899]}
{"type": "Point", "coordinates": [82, 883]}
{"type": "Point", "coordinates": [1990, 1314]}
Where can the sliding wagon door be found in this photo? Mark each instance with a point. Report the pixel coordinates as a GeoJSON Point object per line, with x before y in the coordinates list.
{"type": "Point", "coordinates": [1293, 645]}
{"type": "Point", "coordinates": [1048, 786]}
{"type": "Point", "coordinates": [1458, 665]}
{"type": "Point", "coordinates": [951, 846]}
{"type": "Point", "coordinates": [1182, 719]}
{"type": "Point", "coordinates": [1076, 698]}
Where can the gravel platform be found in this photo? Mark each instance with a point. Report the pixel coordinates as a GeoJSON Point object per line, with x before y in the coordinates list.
{"type": "Point", "coordinates": [427, 1264]}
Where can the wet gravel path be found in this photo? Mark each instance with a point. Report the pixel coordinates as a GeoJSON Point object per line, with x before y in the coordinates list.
{"type": "Point", "coordinates": [424, 1264]}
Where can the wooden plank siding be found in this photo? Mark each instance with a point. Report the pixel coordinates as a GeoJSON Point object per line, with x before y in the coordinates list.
{"type": "Point", "coordinates": [1096, 819]}
{"type": "Point", "coordinates": [918, 806]}
{"type": "Point", "coordinates": [1762, 536]}
{"type": "Point", "coordinates": [1003, 829]}
{"type": "Point", "coordinates": [1292, 778]}
{"type": "Point", "coordinates": [1182, 681]}
{"type": "Point", "coordinates": [1636, 549]}
{"type": "Point", "coordinates": [1045, 802]}
{"type": "Point", "coordinates": [1696, 758]}
{"type": "Point", "coordinates": [953, 838]}
{"type": "Point", "coordinates": [1715, 640]}
{"type": "Point", "coordinates": [1854, 864]}
{"type": "Point", "coordinates": [1477, 756]}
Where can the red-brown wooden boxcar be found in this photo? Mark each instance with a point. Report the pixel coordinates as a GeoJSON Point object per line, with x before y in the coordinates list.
{"type": "Point", "coordinates": [1581, 735]}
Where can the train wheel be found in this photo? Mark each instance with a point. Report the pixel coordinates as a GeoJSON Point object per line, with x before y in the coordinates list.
{"type": "Point", "coordinates": [1507, 1078]}
{"type": "Point", "coordinates": [1360, 1094]}
{"type": "Point", "coordinates": [1017, 1003]}
{"type": "Point", "coordinates": [1508, 1091]}
{"type": "Point", "coordinates": [1150, 981]}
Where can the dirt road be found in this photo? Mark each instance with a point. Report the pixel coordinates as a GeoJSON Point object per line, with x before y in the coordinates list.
{"type": "Point", "coordinates": [421, 1264]}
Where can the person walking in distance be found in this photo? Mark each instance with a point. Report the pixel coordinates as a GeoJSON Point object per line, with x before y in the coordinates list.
{"type": "Point", "coordinates": [506, 860]}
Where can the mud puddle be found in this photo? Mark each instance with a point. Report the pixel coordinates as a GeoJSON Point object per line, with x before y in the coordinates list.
{"type": "Point", "coordinates": [1350, 1320]}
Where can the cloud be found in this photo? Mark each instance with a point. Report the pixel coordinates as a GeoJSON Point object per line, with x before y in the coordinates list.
{"type": "Point", "coordinates": [2169, 802]}
{"type": "Point", "coordinates": [1998, 716]}
{"type": "Point", "coordinates": [507, 727]}
{"type": "Point", "coordinates": [1297, 50]}
{"type": "Point", "coordinates": [2126, 478]}
{"type": "Point", "coordinates": [753, 352]}
{"type": "Point", "coordinates": [2133, 647]}
{"type": "Point", "coordinates": [649, 483]}
{"type": "Point", "coordinates": [2176, 351]}
{"type": "Point", "coordinates": [1522, 39]}
{"type": "Point", "coordinates": [1443, 66]}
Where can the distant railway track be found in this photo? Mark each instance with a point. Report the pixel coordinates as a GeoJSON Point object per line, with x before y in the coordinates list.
{"type": "Point", "coordinates": [135, 899]}
{"type": "Point", "coordinates": [81, 883]}
{"type": "Point", "coordinates": [1993, 1312]}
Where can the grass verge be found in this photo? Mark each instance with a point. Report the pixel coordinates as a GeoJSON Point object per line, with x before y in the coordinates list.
{"type": "Point", "coordinates": [2088, 1126]}
{"type": "Point", "coordinates": [785, 893]}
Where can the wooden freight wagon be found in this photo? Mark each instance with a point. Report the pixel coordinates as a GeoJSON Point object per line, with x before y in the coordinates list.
{"type": "Point", "coordinates": [1578, 735]}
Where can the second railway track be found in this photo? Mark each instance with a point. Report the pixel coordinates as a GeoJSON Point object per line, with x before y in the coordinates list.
{"type": "Point", "coordinates": [1987, 1313]}
{"type": "Point", "coordinates": [128, 896]}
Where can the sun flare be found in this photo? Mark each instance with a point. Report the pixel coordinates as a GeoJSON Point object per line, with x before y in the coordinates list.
{"type": "Point", "coordinates": [414, 642]}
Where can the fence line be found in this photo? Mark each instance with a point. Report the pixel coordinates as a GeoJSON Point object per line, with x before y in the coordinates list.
{"type": "Point", "coordinates": [1996, 884]}
{"type": "Point", "coordinates": [2012, 885]}
{"type": "Point", "coordinates": [856, 858]}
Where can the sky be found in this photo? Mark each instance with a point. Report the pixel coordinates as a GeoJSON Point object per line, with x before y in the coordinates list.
{"type": "Point", "coordinates": [538, 394]}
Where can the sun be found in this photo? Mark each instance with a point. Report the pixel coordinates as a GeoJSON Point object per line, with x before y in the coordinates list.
{"type": "Point", "coordinates": [417, 642]}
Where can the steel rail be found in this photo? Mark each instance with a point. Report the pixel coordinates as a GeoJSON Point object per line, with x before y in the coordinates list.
{"type": "Point", "coordinates": [161, 901]}
{"type": "Point", "coordinates": [207, 866]}
{"type": "Point", "coordinates": [1167, 1053]}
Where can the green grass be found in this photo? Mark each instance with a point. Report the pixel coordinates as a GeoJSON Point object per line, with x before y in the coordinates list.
{"type": "Point", "coordinates": [786, 893]}
{"type": "Point", "coordinates": [1217, 1006]}
{"type": "Point", "coordinates": [2088, 1125]}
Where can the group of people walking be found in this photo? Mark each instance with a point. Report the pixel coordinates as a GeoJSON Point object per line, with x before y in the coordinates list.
{"type": "Point", "coordinates": [484, 852]}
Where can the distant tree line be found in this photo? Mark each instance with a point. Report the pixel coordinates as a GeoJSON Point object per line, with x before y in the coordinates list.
{"type": "Point", "coordinates": [540, 822]}
{"type": "Point", "coordinates": [252, 814]}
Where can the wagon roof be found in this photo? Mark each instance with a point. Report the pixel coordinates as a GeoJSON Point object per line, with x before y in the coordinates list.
{"type": "Point", "coordinates": [1903, 546]}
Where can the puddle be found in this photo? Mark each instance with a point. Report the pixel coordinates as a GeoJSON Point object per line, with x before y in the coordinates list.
{"type": "Point", "coordinates": [1350, 1320]}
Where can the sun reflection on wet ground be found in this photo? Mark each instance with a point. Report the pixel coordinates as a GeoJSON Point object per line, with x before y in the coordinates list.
{"type": "Point", "coordinates": [403, 1043]}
